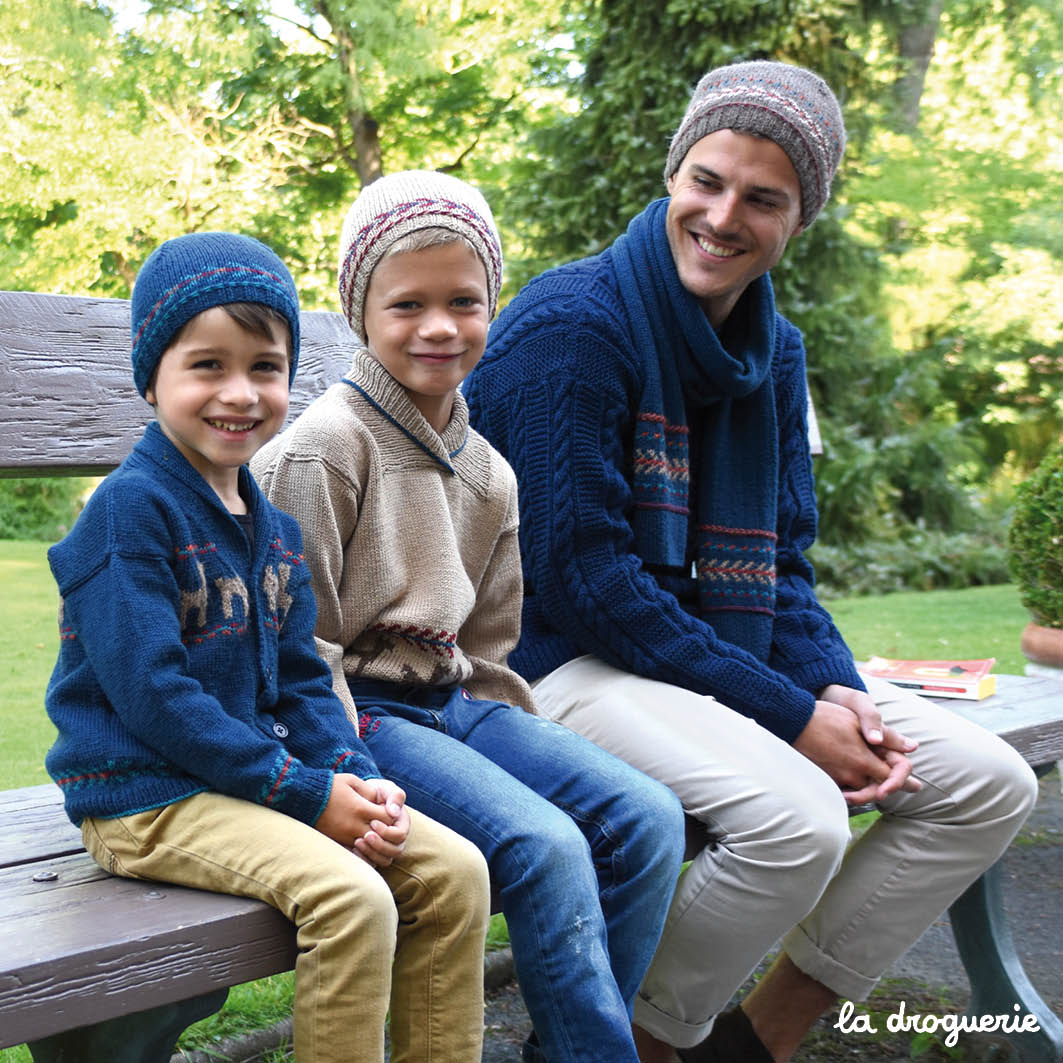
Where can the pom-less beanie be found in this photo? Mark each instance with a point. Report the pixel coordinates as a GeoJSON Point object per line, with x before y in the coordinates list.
{"type": "Point", "coordinates": [190, 274]}
{"type": "Point", "coordinates": [789, 105]}
{"type": "Point", "coordinates": [403, 203]}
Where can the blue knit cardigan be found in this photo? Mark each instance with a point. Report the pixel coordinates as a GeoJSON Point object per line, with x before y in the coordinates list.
{"type": "Point", "coordinates": [559, 393]}
{"type": "Point", "coordinates": [187, 660]}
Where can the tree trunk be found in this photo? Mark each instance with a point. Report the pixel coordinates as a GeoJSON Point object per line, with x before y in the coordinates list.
{"type": "Point", "coordinates": [915, 45]}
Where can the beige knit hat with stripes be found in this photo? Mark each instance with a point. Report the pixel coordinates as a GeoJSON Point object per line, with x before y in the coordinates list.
{"type": "Point", "coordinates": [399, 204]}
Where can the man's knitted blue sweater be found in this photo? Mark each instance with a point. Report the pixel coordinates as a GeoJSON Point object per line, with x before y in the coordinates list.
{"type": "Point", "coordinates": [558, 393]}
{"type": "Point", "coordinates": [187, 659]}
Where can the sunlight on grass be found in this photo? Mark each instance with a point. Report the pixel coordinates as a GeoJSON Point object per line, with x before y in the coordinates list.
{"type": "Point", "coordinates": [957, 625]}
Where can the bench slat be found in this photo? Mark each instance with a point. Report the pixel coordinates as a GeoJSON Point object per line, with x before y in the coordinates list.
{"type": "Point", "coordinates": [1026, 711]}
{"type": "Point", "coordinates": [69, 405]}
{"type": "Point", "coordinates": [90, 946]}
{"type": "Point", "coordinates": [35, 826]}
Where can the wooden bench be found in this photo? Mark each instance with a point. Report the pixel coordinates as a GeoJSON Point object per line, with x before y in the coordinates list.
{"type": "Point", "coordinates": [99, 968]}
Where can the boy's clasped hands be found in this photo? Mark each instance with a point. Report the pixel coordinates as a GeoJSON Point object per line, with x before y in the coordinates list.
{"type": "Point", "coordinates": [367, 816]}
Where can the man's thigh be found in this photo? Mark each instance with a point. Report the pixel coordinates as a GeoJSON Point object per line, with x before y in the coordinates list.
{"type": "Point", "coordinates": [727, 770]}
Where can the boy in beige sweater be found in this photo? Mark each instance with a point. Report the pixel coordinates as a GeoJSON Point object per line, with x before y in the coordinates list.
{"type": "Point", "coordinates": [410, 523]}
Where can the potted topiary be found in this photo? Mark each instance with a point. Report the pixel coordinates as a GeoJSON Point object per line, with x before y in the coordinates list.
{"type": "Point", "coordinates": [1035, 556]}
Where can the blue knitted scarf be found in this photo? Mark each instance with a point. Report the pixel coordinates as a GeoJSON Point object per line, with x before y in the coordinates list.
{"type": "Point", "coordinates": [706, 456]}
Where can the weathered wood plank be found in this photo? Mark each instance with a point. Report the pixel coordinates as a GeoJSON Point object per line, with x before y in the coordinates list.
{"type": "Point", "coordinates": [69, 405]}
{"type": "Point", "coordinates": [1026, 711]}
{"type": "Point", "coordinates": [89, 946]}
{"type": "Point", "coordinates": [35, 827]}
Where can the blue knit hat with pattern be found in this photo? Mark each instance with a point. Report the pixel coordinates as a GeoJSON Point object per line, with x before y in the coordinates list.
{"type": "Point", "coordinates": [190, 274]}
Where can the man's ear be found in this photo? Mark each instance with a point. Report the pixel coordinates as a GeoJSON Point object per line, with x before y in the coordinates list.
{"type": "Point", "coordinates": [670, 183]}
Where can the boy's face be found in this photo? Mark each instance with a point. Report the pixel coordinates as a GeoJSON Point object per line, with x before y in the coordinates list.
{"type": "Point", "coordinates": [426, 318]}
{"type": "Point", "coordinates": [219, 394]}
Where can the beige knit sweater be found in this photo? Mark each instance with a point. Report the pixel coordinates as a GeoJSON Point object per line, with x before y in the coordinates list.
{"type": "Point", "coordinates": [411, 538]}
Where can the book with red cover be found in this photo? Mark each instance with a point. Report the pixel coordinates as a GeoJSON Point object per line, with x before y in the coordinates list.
{"type": "Point", "coordinates": [938, 679]}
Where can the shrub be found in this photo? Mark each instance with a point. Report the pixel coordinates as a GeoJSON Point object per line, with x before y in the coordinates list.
{"type": "Point", "coordinates": [42, 508]}
{"type": "Point", "coordinates": [1035, 540]}
{"type": "Point", "coordinates": [920, 560]}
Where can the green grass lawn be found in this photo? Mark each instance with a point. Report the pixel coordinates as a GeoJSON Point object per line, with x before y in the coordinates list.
{"type": "Point", "coordinates": [29, 641]}
{"type": "Point", "coordinates": [978, 622]}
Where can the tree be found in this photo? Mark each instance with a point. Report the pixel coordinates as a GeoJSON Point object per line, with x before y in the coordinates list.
{"type": "Point", "coordinates": [113, 144]}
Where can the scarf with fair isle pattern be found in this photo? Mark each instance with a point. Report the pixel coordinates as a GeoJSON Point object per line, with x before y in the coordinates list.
{"type": "Point", "coordinates": [706, 456]}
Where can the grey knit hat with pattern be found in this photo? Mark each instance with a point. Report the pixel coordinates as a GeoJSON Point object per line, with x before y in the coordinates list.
{"type": "Point", "coordinates": [399, 204]}
{"type": "Point", "coordinates": [789, 105]}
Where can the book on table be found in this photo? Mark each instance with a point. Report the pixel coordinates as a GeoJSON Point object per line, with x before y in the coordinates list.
{"type": "Point", "coordinates": [971, 680]}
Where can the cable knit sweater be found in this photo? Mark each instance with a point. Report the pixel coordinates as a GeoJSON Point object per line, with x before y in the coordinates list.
{"type": "Point", "coordinates": [558, 393]}
{"type": "Point", "coordinates": [187, 661]}
{"type": "Point", "coordinates": [411, 538]}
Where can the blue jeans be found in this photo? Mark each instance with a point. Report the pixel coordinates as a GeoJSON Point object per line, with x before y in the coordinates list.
{"type": "Point", "coordinates": [583, 850]}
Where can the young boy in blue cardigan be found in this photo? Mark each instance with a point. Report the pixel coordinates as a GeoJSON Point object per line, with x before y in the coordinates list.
{"type": "Point", "coordinates": [200, 741]}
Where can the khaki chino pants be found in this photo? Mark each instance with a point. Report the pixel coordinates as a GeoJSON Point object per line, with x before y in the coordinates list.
{"type": "Point", "coordinates": [409, 937]}
{"type": "Point", "coordinates": [778, 862]}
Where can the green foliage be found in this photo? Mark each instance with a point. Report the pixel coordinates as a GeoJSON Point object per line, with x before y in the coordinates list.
{"type": "Point", "coordinates": [43, 508]}
{"type": "Point", "coordinates": [917, 560]}
{"type": "Point", "coordinates": [1035, 540]}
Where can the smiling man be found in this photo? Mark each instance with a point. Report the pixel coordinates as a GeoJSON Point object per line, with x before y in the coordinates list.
{"type": "Point", "coordinates": [653, 405]}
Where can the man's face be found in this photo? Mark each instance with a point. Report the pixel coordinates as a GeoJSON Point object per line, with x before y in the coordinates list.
{"type": "Point", "coordinates": [735, 202]}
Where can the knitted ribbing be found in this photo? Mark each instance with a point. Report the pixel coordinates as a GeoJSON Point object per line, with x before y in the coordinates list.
{"type": "Point", "coordinates": [411, 538]}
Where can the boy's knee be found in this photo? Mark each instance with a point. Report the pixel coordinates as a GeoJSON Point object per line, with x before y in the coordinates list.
{"type": "Point", "coordinates": [462, 877]}
{"type": "Point", "coordinates": [442, 872]}
{"type": "Point", "coordinates": [657, 820]}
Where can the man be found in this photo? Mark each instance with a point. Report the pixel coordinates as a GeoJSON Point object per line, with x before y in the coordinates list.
{"type": "Point", "coordinates": [653, 404]}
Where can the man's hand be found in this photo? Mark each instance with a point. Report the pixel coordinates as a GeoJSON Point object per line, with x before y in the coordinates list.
{"type": "Point", "coordinates": [368, 817]}
{"type": "Point", "coordinates": [836, 738]}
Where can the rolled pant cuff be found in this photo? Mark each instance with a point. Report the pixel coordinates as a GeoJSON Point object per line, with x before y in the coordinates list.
{"type": "Point", "coordinates": [807, 957]}
{"type": "Point", "coordinates": [666, 1027]}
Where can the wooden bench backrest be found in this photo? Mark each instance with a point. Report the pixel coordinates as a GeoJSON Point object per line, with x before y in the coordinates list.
{"type": "Point", "coordinates": [68, 404]}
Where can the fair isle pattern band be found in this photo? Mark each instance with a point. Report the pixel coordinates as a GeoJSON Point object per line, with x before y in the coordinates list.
{"type": "Point", "coordinates": [211, 280]}
{"type": "Point", "coordinates": [661, 465]}
{"type": "Point", "coordinates": [406, 218]}
{"type": "Point", "coordinates": [736, 569]}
